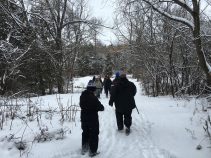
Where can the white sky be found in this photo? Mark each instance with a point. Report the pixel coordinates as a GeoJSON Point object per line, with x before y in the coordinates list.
{"type": "Point", "coordinates": [104, 9]}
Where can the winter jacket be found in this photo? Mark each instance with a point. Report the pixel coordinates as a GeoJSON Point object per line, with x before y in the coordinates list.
{"type": "Point", "coordinates": [122, 94]}
{"type": "Point", "coordinates": [107, 83]}
{"type": "Point", "coordinates": [115, 81]}
{"type": "Point", "coordinates": [90, 105]}
{"type": "Point", "coordinates": [98, 83]}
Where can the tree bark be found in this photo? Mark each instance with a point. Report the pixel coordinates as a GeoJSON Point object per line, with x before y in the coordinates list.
{"type": "Point", "coordinates": [198, 41]}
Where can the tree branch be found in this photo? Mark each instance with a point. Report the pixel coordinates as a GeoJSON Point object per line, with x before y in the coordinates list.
{"type": "Point", "coordinates": [183, 5]}
{"type": "Point", "coordinates": [63, 14]}
{"type": "Point", "coordinates": [16, 20]}
{"type": "Point", "coordinates": [172, 17]}
{"type": "Point", "coordinates": [51, 10]}
{"type": "Point", "coordinates": [85, 22]}
{"type": "Point", "coordinates": [48, 27]}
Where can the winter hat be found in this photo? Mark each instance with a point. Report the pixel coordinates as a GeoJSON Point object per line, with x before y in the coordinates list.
{"type": "Point", "coordinates": [117, 74]}
{"type": "Point", "coordinates": [91, 86]}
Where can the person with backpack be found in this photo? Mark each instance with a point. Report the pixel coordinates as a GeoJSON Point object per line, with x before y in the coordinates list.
{"type": "Point", "coordinates": [90, 105]}
{"type": "Point", "coordinates": [122, 95]}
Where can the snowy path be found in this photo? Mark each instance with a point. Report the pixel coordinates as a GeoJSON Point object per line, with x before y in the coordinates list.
{"type": "Point", "coordinates": [117, 145]}
{"type": "Point", "coordinates": [165, 128]}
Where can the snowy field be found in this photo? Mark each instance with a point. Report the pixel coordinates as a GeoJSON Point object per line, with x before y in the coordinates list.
{"type": "Point", "coordinates": [49, 127]}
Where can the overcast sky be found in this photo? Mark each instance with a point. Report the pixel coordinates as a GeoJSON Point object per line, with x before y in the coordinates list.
{"type": "Point", "coordinates": [104, 9]}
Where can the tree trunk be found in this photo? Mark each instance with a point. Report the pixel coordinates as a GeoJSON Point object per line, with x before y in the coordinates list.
{"type": "Point", "coordinates": [59, 57]}
{"type": "Point", "coordinates": [198, 41]}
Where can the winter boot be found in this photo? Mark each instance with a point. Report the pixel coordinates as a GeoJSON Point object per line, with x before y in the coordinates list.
{"type": "Point", "coordinates": [127, 131]}
{"type": "Point", "coordinates": [84, 149]}
{"type": "Point", "coordinates": [120, 128]}
{"type": "Point", "coordinates": [92, 154]}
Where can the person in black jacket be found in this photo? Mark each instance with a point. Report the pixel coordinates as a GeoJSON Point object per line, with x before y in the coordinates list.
{"type": "Point", "coordinates": [122, 94]}
{"type": "Point", "coordinates": [107, 85]}
{"type": "Point", "coordinates": [90, 105]}
{"type": "Point", "coordinates": [115, 81]}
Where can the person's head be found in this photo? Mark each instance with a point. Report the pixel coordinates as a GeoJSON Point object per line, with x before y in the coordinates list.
{"type": "Point", "coordinates": [97, 79]}
{"type": "Point", "coordinates": [91, 86]}
{"type": "Point", "coordinates": [117, 74]}
{"type": "Point", "coordinates": [123, 75]}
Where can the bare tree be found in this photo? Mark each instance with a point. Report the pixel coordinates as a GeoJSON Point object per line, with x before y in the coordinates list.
{"type": "Point", "coordinates": [161, 48]}
{"type": "Point", "coordinates": [194, 9]}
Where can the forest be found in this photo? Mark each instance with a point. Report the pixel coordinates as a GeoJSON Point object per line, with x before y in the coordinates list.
{"type": "Point", "coordinates": [46, 44]}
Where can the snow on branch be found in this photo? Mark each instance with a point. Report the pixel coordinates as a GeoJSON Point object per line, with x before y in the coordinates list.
{"type": "Point", "coordinates": [85, 22]}
{"type": "Point", "coordinates": [172, 17]}
{"type": "Point", "coordinates": [51, 10]}
{"type": "Point", "coordinates": [184, 5]}
{"type": "Point", "coordinates": [16, 20]}
{"type": "Point", "coordinates": [208, 66]}
{"type": "Point", "coordinates": [29, 48]}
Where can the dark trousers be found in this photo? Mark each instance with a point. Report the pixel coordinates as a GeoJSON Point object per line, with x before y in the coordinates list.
{"type": "Point", "coordinates": [106, 91]}
{"type": "Point", "coordinates": [123, 118]}
{"type": "Point", "coordinates": [90, 135]}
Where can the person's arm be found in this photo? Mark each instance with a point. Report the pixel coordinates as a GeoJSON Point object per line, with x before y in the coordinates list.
{"type": "Point", "coordinates": [100, 106]}
{"type": "Point", "coordinates": [113, 95]}
{"type": "Point", "coordinates": [110, 82]}
{"type": "Point", "coordinates": [133, 89]}
{"type": "Point", "coordinates": [101, 81]}
{"type": "Point", "coordinates": [90, 103]}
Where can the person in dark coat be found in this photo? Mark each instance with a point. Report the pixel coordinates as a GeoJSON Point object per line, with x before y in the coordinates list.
{"type": "Point", "coordinates": [107, 85]}
{"type": "Point", "coordinates": [90, 105]}
{"type": "Point", "coordinates": [115, 81]}
{"type": "Point", "coordinates": [122, 94]}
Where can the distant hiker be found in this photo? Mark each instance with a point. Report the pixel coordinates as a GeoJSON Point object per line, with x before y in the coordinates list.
{"type": "Point", "coordinates": [99, 87]}
{"type": "Point", "coordinates": [115, 81]}
{"type": "Point", "coordinates": [122, 94]}
{"type": "Point", "coordinates": [101, 83]}
{"type": "Point", "coordinates": [90, 106]}
{"type": "Point", "coordinates": [107, 85]}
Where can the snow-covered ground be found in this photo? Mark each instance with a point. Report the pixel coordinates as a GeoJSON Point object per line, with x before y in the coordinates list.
{"type": "Point", "coordinates": [165, 128]}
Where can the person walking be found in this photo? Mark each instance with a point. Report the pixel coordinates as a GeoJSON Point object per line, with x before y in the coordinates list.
{"type": "Point", "coordinates": [122, 95]}
{"type": "Point", "coordinates": [115, 81]}
{"type": "Point", "coordinates": [99, 87]}
{"type": "Point", "coordinates": [90, 105]}
{"type": "Point", "coordinates": [107, 85]}
{"type": "Point", "coordinates": [100, 78]}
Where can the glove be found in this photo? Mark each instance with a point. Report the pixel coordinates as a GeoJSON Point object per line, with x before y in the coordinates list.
{"type": "Point", "coordinates": [110, 103]}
